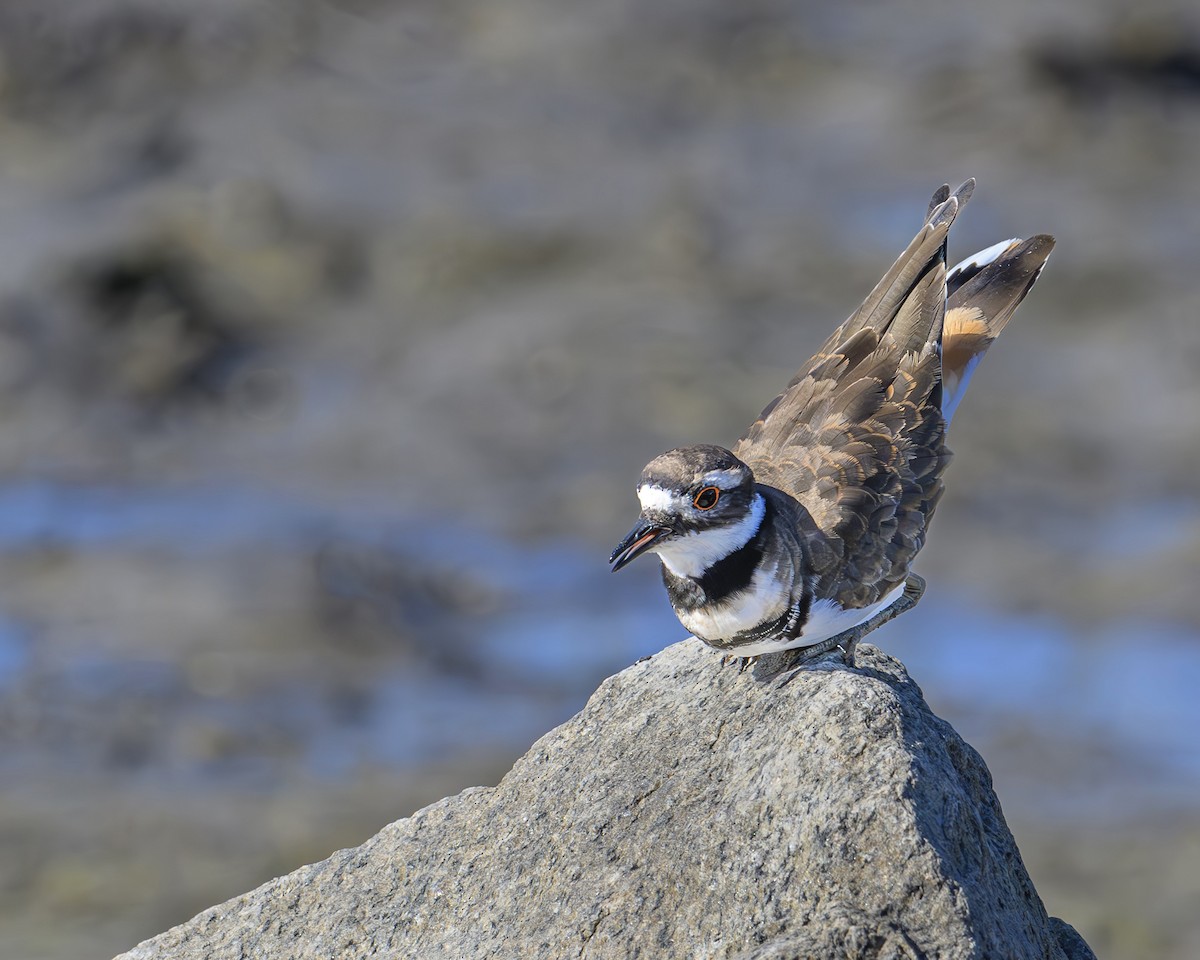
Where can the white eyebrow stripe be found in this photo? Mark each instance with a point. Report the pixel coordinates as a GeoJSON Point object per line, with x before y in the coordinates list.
{"type": "Point", "coordinates": [656, 498]}
{"type": "Point", "coordinates": [722, 478]}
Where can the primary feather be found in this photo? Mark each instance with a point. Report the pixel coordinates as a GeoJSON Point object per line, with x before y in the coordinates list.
{"type": "Point", "coordinates": [858, 436]}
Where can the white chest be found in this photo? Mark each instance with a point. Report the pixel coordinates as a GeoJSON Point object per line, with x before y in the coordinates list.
{"type": "Point", "coordinates": [767, 599]}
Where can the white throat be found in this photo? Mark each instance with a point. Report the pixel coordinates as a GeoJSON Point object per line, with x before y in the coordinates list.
{"type": "Point", "coordinates": [693, 554]}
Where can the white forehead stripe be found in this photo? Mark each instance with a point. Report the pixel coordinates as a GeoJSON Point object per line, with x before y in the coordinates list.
{"type": "Point", "coordinates": [668, 501]}
{"type": "Point", "coordinates": [660, 500]}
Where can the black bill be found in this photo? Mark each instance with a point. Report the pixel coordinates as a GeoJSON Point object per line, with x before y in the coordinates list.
{"type": "Point", "coordinates": [643, 535]}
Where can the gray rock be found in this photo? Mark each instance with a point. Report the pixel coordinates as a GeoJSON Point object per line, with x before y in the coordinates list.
{"type": "Point", "coordinates": [688, 811]}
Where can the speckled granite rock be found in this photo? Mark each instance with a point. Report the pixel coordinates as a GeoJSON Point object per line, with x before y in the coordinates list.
{"type": "Point", "coordinates": [687, 811]}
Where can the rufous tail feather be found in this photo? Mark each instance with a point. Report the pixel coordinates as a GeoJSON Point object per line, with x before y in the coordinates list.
{"type": "Point", "coordinates": [984, 291]}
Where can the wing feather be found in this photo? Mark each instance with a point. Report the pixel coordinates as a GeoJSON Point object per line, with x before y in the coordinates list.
{"type": "Point", "coordinates": [858, 436]}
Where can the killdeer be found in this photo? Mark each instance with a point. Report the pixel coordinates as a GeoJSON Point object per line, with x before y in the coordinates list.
{"type": "Point", "coordinates": [803, 535]}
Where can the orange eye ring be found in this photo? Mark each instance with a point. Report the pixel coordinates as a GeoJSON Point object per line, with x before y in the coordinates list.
{"type": "Point", "coordinates": [707, 498]}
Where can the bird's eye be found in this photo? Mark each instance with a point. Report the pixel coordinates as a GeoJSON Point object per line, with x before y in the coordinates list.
{"type": "Point", "coordinates": [707, 498]}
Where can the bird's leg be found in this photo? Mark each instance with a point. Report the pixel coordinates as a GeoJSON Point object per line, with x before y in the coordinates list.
{"type": "Point", "coordinates": [914, 589]}
{"type": "Point", "coordinates": [847, 641]}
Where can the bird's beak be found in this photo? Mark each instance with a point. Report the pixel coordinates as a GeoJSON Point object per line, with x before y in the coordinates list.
{"type": "Point", "coordinates": [644, 534]}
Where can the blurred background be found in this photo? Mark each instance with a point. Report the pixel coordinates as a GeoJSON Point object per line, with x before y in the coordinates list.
{"type": "Point", "coordinates": [333, 336]}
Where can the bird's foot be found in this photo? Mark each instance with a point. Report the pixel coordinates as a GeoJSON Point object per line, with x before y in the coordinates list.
{"type": "Point", "coordinates": [848, 640]}
{"type": "Point", "coordinates": [743, 662]}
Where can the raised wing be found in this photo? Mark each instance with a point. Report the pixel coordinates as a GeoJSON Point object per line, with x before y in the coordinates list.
{"type": "Point", "coordinates": [858, 436]}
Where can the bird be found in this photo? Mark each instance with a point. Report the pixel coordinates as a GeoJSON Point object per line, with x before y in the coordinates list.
{"type": "Point", "coordinates": [802, 536]}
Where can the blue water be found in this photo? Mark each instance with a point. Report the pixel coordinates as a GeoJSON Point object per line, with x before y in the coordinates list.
{"type": "Point", "coordinates": [563, 622]}
{"type": "Point", "coordinates": [15, 643]}
{"type": "Point", "coordinates": [185, 519]}
{"type": "Point", "coordinates": [1129, 685]}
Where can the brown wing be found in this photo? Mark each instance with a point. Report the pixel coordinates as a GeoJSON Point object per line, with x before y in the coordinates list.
{"type": "Point", "coordinates": [858, 435]}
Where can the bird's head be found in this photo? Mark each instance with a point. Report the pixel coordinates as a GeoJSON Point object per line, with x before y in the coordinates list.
{"type": "Point", "coordinates": [699, 504]}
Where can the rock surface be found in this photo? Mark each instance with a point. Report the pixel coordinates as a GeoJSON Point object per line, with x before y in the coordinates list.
{"type": "Point", "coordinates": [687, 811]}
